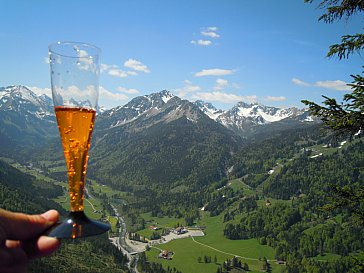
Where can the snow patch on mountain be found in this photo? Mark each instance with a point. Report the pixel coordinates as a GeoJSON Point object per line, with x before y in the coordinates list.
{"type": "Point", "coordinates": [158, 105]}
{"type": "Point", "coordinates": [211, 111]}
{"type": "Point", "coordinates": [166, 96]}
{"type": "Point", "coordinates": [23, 100]}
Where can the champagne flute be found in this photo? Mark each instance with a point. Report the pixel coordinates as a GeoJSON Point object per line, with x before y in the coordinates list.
{"type": "Point", "coordinates": [75, 69]}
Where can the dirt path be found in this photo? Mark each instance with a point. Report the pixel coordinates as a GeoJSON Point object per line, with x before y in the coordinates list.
{"type": "Point", "coordinates": [227, 253]}
{"type": "Point", "coordinates": [91, 204]}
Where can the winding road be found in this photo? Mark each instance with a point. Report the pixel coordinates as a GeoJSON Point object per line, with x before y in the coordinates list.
{"type": "Point", "coordinates": [120, 243]}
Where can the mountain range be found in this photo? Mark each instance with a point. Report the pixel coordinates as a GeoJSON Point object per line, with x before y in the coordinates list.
{"type": "Point", "coordinates": [26, 119]}
{"type": "Point", "coordinates": [241, 117]}
{"type": "Point", "coordinates": [156, 139]}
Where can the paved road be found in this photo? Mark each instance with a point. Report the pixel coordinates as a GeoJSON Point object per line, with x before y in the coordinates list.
{"type": "Point", "coordinates": [120, 243]}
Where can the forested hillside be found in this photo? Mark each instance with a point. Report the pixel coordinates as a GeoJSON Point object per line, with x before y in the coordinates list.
{"type": "Point", "coordinates": [24, 193]}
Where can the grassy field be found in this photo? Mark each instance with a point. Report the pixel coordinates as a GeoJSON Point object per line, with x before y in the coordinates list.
{"type": "Point", "coordinates": [214, 244]}
{"type": "Point", "coordinates": [160, 222]}
{"type": "Point", "coordinates": [112, 220]}
{"type": "Point", "coordinates": [238, 184]}
{"type": "Point", "coordinates": [187, 252]}
{"type": "Point", "coordinates": [104, 189]}
{"type": "Point", "coordinates": [215, 238]}
{"type": "Point", "coordinates": [91, 206]}
{"type": "Point", "coordinates": [163, 222]}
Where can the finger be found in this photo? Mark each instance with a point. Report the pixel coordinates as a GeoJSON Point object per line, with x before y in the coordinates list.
{"type": "Point", "coordinates": [12, 244]}
{"type": "Point", "coordinates": [40, 247]}
{"type": "Point", "coordinates": [13, 260]}
{"type": "Point", "coordinates": [19, 226]}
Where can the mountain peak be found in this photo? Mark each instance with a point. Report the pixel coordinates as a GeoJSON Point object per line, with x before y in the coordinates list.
{"type": "Point", "coordinates": [240, 117]}
{"type": "Point", "coordinates": [211, 111]}
{"type": "Point", "coordinates": [167, 94]}
{"type": "Point", "coordinates": [163, 95]}
{"type": "Point", "coordinates": [22, 100]}
{"type": "Point", "coordinates": [17, 93]}
{"type": "Point", "coordinates": [245, 104]}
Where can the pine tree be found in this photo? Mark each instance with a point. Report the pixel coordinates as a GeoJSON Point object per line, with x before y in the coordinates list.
{"type": "Point", "coordinates": [347, 117]}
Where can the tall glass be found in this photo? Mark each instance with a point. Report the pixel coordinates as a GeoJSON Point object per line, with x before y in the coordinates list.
{"type": "Point", "coordinates": [75, 69]}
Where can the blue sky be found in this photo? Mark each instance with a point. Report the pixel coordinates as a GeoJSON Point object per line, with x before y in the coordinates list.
{"type": "Point", "coordinates": [220, 51]}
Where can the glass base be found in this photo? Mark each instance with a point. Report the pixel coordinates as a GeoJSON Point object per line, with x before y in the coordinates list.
{"type": "Point", "coordinates": [77, 225]}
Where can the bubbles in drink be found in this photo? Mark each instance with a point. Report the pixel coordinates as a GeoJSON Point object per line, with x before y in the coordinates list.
{"type": "Point", "coordinates": [76, 144]}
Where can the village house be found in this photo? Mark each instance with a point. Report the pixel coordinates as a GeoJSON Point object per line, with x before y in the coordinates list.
{"type": "Point", "coordinates": [180, 230]}
{"type": "Point", "coordinates": [154, 228]}
{"type": "Point", "coordinates": [165, 254]}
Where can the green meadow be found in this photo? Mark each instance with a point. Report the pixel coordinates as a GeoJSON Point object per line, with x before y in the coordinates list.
{"type": "Point", "coordinates": [160, 222]}
{"type": "Point", "coordinates": [213, 244]}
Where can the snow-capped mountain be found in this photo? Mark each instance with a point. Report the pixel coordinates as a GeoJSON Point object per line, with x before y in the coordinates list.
{"type": "Point", "coordinates": [26, 119]}
{"type": "Point", "coordinates": [245, 115]}
{"type": "Point", "coordinates": [22, 100]}
{"type": "Point", "coordinates": [210, 110]}
{"type": "Point", "coordinates": [152, 108]}
{"type": "Point", "coordinates": [148, 110]}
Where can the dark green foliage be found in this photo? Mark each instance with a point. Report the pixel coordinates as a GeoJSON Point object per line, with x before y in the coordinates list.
{"type": "Point", "coordinates": [148, 267]}
{"type": "Point", "coordinates": [345, 118]}
{"type": "Point", "coordinates": [349, 197]}
{"type": "Point", "coordinates": [17, 192]}
{"type": "Point", "coordinates": [349, 44]}
{"type": "Point", "coordinates": [263, 222]}
{"type": "Point", "coordinates": [338, 9]}
{"type": "Point", "coordinates": [233, 265]}
{"type": "Point", "coordinates": [312, 176]}
{"type": "Point", "coordinates": [21, 192]}
{"type": "Point", "coordinates": [260, 156]}
{"type": "Point", "coordinates": [26, 134]}
{"type": "Point", "coordinates": [179, 155]}
{"type": "Point", "coordinates": [95, 254]}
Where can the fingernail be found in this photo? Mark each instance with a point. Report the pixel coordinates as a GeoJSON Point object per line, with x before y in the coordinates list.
{"type": "Point", "coordinates": [51, 216]}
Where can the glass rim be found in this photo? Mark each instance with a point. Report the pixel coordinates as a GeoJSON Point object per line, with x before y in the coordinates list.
{"type": "Point", "coordinates": [52, 49]}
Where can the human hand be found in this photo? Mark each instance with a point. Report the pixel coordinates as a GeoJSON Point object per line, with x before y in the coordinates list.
{"type": "Point", "coordinates": [21, 239]}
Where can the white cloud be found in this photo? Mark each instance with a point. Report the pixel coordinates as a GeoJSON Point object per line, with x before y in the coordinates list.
{"type": "Point", "coordinates": [300, 82]}
{"type": "Point", "coordinates": [85, 61]}
{"type": "Point", "coordinates": [212, 29]}
{"type": "Point", "coordinates": [72, 94]}
{"type": "Point", "coordinates": [136, 65]}
{"type": "Point", "coordinates": [106, 97]}
{"type": "Point", "coordinates": [40, 91]}
{"type": "Point", "coordinates": [187, 88]}
{"type": "Point", "coordinates": [214, 72]}
{"type": "Point", "coordinates": [113, 70]}
{"type": "Point", "coordinates": [211, 34]}
{"type": "Point", "coordinates": [104, 67]}
{"type": "Point", "coordinates": [131, 91]}
{"type": "Point", "coordinates": [336, 85]}
{"type": "Point", "coordinates": [116, 72]}
{"type": "Point", "coordinates": [220, 84]}
{"type": "Point", "coordinates": [201, 42]}
{"type": "Point", "coordinates": [223, 97]}
{"type": "Point", "coordinates": [279, 98]}
{"type": "Point", "coordinates": [115, 97]}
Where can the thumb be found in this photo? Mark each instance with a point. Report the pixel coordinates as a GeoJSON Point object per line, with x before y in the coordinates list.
{"type": "Point", "coordinates": [20, 226]}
